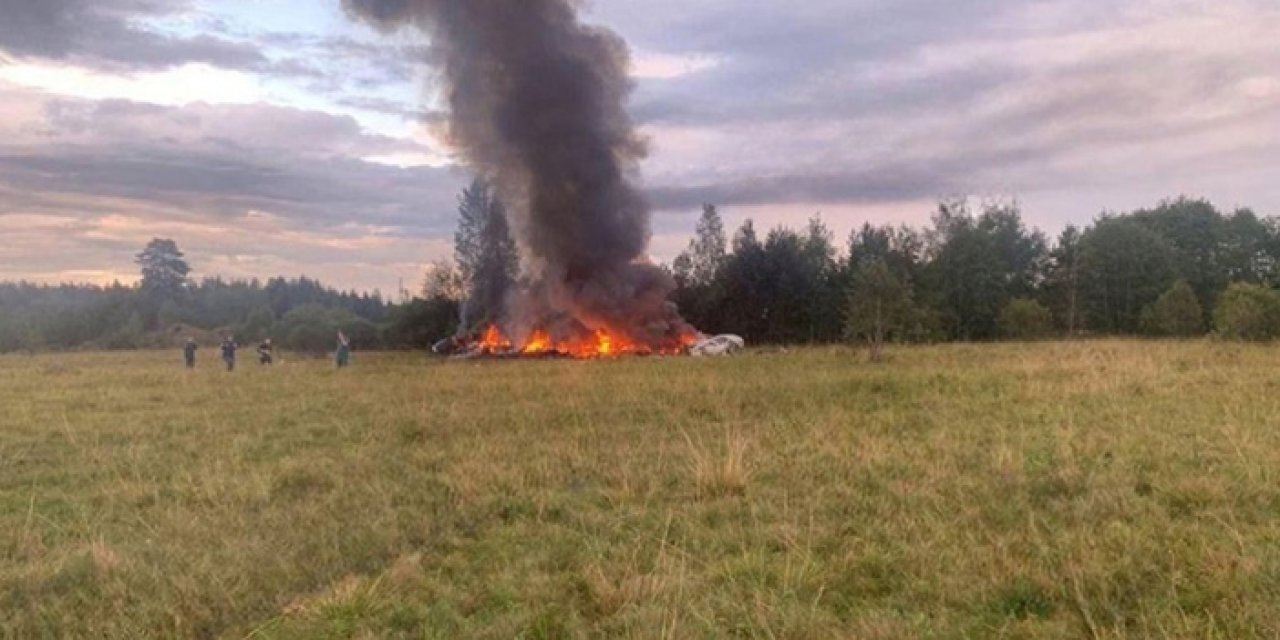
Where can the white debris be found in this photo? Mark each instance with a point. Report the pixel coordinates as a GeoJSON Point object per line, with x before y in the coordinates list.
{"type": "Point", "coordinates": [722, 345]}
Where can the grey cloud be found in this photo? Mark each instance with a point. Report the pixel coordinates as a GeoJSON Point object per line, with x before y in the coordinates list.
{"type": "Point", "coordinates": [248, 129]}
{"type": "Point", "coordinates": [857, 102]}
{"type": "Point", "coordinates": [312, 195]}
{"type": "Point", "coordinates": [106, 33]}
{"type": "Point", "coordinates": [887, 181]}
{"type": "Point", "coordinates": [1094, 115]}
{"type": "Point", "coordinates": [829, 59]}
{"type": "Point", "coordinates": [377, 52]}
{"type": "Point", "coordinates": [677, 102]}
{"type": "Point", "coordinates": [350, 60]}
{"type": "Point", "coordinates": [866, 186]}
{"type": "Point", "coordinates": [810, 60]}
{"type": "Point", "coordinates": [825, 101]}
{"type": "Point", "coordinates": [113, 35]}
{"type": "Point", "coordinates": [217, 162]}
{"type": "Point", "coordinates": [411, 112]}
{"type": "Point", "coordinates": [293, 68]}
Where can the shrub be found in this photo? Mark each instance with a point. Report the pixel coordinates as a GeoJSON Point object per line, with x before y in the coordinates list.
{"type": "Point", "coordinates": [1176, 313]}
{"type": "Point", "coordinates": [877, 308]}
{"type": "Point", "coordinates": [313, 329]}
{"type": "Point", "coordinates": [420, 323]}
{"type": "Point", "coordinates": [256, 326]}
{"type": "Point", "coordinates": [1025, 319]}
{"type": "Point", "coordinates": [130, 335]}
{"type": "Point", "coordinates": [1248, 312]}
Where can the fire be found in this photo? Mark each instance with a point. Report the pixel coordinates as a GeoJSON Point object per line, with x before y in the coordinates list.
{"type": "Point", "coordinates": [601, 343]}
{"type": "Point", "coordinates": [493, 340]}
{"type": "Point", "coordinates": [539, 343]}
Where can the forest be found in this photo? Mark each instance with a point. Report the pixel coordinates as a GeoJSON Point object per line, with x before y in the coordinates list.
{"type": "Point", "coordinates": [978, 272]}
{"type": "Point", "coordinates": [1180, 269]}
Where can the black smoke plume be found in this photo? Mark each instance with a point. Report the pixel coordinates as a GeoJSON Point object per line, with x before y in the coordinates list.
{"type": "Point", "coordinates": [537, 106]}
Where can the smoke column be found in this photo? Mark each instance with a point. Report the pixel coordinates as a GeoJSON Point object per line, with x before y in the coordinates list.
{"type": "Point", "coordinates": [537, 106]}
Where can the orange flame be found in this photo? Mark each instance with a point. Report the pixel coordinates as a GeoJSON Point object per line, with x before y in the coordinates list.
{"type": "Point", "coordinates": [538, 343]}
{"type": "Point", "coordinates": [493, 340]}
{"type": "Point", "coordinates": [601, 343]}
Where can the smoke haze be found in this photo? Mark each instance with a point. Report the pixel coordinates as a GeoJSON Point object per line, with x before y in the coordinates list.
{"type": "Point", "coordinates": [537, 102]}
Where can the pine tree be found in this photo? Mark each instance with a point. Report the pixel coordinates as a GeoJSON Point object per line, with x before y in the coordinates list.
{"type": "Point", "coordinates": [708, 248]}
{"type": "Point", "coordinates": [698, 267]}
{"type": "Point", "coordinates": [485, 253]}
{"type": "Point", "coordinates": [164, 271]}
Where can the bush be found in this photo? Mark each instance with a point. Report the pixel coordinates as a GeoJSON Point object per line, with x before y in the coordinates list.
{"type": "Point", "coordinates": [420, 323]}
{"type": "Point", "coordinates": [364, 335]}
{"type": "Point", "coordinates": [130, 335]}
{"type": "Point", "coordinates": [1025, 319]}
{"type": "Point", "coordinates": [256, 326]}
{"type": "Point", "coordinates": [313, 329]}
{"type": "Point", "coordinates": [1176, 313]}
{"type": "Point", "coordinates": [1248, 312]}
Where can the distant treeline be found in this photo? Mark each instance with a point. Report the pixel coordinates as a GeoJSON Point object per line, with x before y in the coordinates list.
{"type": "Point", "coordinates": [978, 272]}
{"type": "Point", "coordinates": [299, 314]}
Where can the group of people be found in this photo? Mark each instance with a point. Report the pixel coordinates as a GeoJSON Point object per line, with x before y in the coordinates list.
{"type": "Point", "coordinates": [266, 352]}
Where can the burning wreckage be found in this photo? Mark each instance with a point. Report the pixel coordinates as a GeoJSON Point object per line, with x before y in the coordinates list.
{"type": "Point", "coordinates": [491, 343]}
{"type": "Point", "coordinates": [537, 108]}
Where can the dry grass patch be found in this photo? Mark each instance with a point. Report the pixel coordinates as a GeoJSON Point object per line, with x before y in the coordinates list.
{"type": "Point", "coordinates": [1104, 489]}
{"type": "Point", "coordinates": [721, 468]}
{"type": "Point", "coordinates": [104, 558]}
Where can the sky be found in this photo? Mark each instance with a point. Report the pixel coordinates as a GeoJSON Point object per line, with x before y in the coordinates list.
{"type": "Point", "coordinates": [279, 137]}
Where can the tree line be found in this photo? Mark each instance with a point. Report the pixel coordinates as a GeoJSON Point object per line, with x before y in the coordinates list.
{"type": "Point", "coordinates": [977, 272]}
{"type": "Point", "coordinates": [166, 307]}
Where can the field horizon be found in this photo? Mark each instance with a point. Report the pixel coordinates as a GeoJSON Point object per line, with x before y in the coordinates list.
{"type": "Point", "coordinates": [1077, 489]}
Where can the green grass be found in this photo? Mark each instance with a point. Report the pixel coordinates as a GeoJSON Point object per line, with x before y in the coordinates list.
{"type": "Point", "coordinates": [1107, 489]}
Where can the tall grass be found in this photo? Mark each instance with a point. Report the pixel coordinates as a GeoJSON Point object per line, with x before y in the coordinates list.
{"type": "Point", "coordinates": [1106, 489]}
{"type": "Point", "coordinates": [719, 470]}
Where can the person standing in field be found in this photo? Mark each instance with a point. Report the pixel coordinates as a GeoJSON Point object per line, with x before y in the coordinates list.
{"type": "Point", "coordinates": [343, 354]}
{"type": "Point", "coordinates": [229, 352]}
{"type": "Point", "coordinates": [265, 352]}
{"type": "Point", "coordinates": [189, 352]}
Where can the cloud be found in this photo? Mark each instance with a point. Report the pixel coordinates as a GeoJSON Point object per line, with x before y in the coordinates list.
{"type": "Point", "coordinates": [99, 249]}
{"type": "Point", "coordinates": [773, 109]}
{"type": "Point", "coordinates": [129, 36]}
{"type": "Point", "coordinates": [213, 171]}
{"type": "Point", "coordinates": [859, 102]}
{"type": "Point", "coordinates": [403, 110]}
{"type": "Point", "coordinates": [111, 34]}
{"type": "Point", "coordinates": [344, 65]}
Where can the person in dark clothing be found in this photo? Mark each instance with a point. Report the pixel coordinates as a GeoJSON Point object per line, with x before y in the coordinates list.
{"type": "Point", "coordinates": [343, 355]}
{"type": "Point", "coordinates": [189, 352]}
{"type": "Point", "coordinates": [264, 352]}
{"type": "Point", "coordinates": [229, 347]}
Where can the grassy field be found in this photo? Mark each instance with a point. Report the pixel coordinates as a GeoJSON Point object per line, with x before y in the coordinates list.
{"type": "Point", "coordinates": [1066, 490]}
